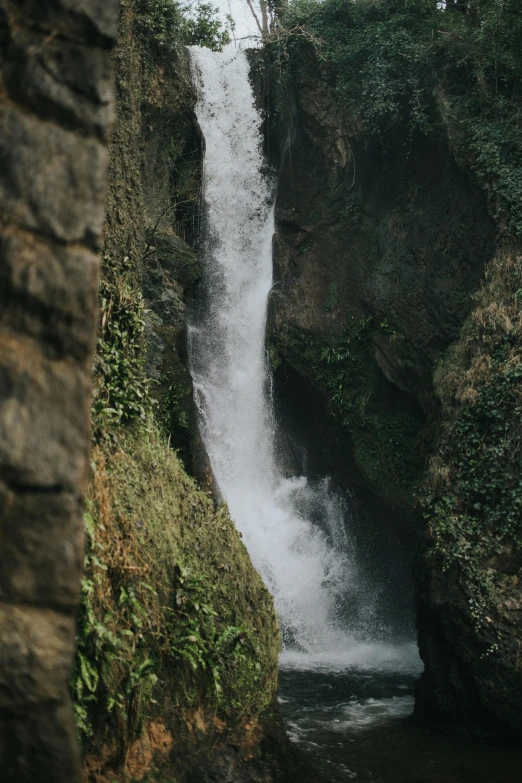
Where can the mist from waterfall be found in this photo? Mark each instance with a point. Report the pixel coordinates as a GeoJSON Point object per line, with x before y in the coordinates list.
{"type": "Point", "coordinates": [295, 529]}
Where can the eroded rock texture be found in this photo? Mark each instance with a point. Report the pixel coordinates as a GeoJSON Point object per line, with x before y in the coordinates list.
{"type": "Point", "coordinates": [55, 114]}
{"type": "Point", "coordinates": [392, 346]}
{"type": "Point", "coordinates": [380, 242]}
{"type": "Point", "coordinates": [152, 207]}
{"type": "Point", "coordinates": [148, 502]}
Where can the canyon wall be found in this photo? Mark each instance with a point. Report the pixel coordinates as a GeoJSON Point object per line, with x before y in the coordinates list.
{"type": "Point", "coordinates": [393, 318]}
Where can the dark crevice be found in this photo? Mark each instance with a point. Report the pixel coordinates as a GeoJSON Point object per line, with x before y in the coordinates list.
{"type": "Point", "coordinates": [45, 110]}
{"type": "Point", "coordinates": [53, 606]}
{"type": "Point", "coordinates": [21, 488]}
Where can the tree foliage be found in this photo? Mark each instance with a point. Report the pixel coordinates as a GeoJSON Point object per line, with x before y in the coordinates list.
{"type": "Point", "coordinates": [167, 24]}
{"type": "Point", "coordinates": [453, 67]}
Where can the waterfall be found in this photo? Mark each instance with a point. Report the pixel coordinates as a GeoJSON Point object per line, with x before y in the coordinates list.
{"type": "Point", "coordinates": [295, 531]}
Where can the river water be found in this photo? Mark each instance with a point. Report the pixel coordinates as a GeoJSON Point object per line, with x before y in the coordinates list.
{"type": "Point", "coordinates": [347, 670]}
{"type": "Point", "coordinates": [355, 725]}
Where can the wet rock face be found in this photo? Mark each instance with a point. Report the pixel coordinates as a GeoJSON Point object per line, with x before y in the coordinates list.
{"type": "Point", "coordinates": [56, 113]}
{"type": "Point", "coordinates": [394, 227]}
{"type": "Point", "coordinates": [471, 683]}
{"type": "Point", "coordinates": [152, 212]}
{"type": "Point", "coordinates": [169, 278]}
{"type": "Point", "coordinates": [380, 243]}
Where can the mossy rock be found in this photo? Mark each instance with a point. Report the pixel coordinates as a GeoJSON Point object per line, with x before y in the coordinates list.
{"type": "Point", "coordinates": [174, 618]}
{"type": "Point", "coordinates": [178, 259]}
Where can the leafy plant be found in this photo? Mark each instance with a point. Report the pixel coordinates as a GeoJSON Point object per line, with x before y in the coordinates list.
{"type": "Point", "coordinates": [473, 499]}
{"type": "Point", "coordinates": [121, 387]}
{"type": "Point", "coordinates": [337, 364]}
{"type": "Point", "coordinates": [167, 24]}
{"type": "Point", "coordinates": [385, 444]}
{"type": "Point", "coordinates": [453, 70]}
{"type": "Point", "coordinates": [156, 617]}
{"type": "Point", "coordinates": [112, 671]}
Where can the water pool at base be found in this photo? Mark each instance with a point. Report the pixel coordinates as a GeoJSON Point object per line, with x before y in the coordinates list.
{"type": "Point", "coordinates": [356, 726]}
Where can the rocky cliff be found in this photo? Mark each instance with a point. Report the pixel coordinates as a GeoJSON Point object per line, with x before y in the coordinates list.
{"type": "Point", "coordinates": [394, 329]}
{"type": "Point", "coordinates": [381, 241]}
{"type": "Point", "coordinates": [176, 671]}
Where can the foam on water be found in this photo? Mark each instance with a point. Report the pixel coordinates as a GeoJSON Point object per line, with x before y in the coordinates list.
{"type": "Point", "coordinates": [363, 657]}
{"type": "Point", "coordinates": [356, 716]}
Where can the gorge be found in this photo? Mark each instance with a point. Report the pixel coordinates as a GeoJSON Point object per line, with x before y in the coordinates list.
{"type": "Point", "coordinates": [302, 500]}
{"type": "Point", "coordinates": [349, 661]}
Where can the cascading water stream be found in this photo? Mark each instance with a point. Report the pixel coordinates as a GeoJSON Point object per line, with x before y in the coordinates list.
{"type": "Point", "coordinates": [295, 531]}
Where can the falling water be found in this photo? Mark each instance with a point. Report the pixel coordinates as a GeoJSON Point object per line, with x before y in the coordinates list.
{"type": "Point", "coordinates": [295, 531]}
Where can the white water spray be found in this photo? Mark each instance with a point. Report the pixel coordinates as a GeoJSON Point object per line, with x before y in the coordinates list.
{"type": "Point", "coordinates": [306, 564]}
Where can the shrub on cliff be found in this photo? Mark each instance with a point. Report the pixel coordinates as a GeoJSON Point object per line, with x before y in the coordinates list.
{"type": "Point", "coordinates": [177, 639]}
{"type": "Point", "coordinates": [172, 612]}
{"type": "Point", "coordinates": [473, 498]}
{"type": "Point", "coordinates": [402, 62]}
{"type": "Point", "coordinates": [166, 24]}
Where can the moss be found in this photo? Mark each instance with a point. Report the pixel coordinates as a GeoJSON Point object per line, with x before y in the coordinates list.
{"type": "Point", "coordinates": [121, 391]}
{"type": "Point", "coordinates": [473, 498]}
{"type": "Point", "coordinates": [174, 615]}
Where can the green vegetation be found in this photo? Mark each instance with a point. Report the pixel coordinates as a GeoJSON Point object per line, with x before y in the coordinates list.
{"type": "Point", "coordinates": [175, 628]}
{"type": "Point", "coordinates": [121, 389]}
{"type": "Point", "coordinates": [474, 493]}
{"type": "Point", "coordinates": [157, 624]}
{"type": "Point", "coordinates": [410, 63]}
{"type": "Point", "coordinates": [331, 366]}
{"type": "Point", "coordinates": [337, 367]}
{"type": "Point", "coordinates": [454, 74]}
{"type": "Point", "coordinates": [164, 25]}
{"type": "Point", "coordinates": [385, 446]}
